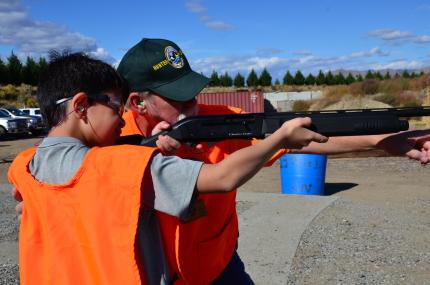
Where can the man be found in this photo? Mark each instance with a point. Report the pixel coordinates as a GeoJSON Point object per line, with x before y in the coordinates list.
{"type": "Point", "coordinates": [90, 205]}
{"type": "Point", "coordinates": [163, 88]}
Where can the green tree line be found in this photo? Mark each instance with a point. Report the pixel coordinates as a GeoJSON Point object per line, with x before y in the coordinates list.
{"type": "Point", "coordinates": [265, 79]}
{"type": "Point", "coordinates": [15, 72]}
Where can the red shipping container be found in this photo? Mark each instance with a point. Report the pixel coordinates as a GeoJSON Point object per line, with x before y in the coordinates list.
{"type": "Point", "coordinates": [248, 101]}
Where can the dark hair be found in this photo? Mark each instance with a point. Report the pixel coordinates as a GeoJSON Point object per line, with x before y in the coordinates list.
{"type": "Point", "coordinates": [68, 74]}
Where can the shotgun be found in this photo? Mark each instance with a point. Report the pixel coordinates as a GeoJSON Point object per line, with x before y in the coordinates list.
{"type": "Point", "coordinates": [353, 122]}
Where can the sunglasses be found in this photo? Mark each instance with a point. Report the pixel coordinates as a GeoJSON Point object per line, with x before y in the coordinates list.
{"type": "Point", "coordinates": [114, 103]}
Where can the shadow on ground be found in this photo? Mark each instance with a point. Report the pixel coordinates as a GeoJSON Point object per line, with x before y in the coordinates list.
{"type": "Point", "coordinates": [333, 188]}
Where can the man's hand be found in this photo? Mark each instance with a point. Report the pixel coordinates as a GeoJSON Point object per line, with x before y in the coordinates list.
{"type": "Point", "coordinates": [18, 208]}
{"type": "Point", "coordinates": [413, 144]}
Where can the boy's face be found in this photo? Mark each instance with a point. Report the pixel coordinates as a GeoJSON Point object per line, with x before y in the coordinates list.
{"type": "Point", "coordinates": [105, 120]}
{"type": "Point", "coordinates": [163, 109]}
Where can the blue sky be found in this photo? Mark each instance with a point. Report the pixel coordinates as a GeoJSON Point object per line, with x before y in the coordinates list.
{"type": "Point", "coordinates": [232, 36]}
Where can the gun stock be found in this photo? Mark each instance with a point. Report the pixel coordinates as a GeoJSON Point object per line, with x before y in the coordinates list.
{"type": "Point", "coordinates": [352, 122]}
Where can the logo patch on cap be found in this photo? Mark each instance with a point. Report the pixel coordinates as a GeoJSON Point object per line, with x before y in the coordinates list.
{"type": "Point", "coordinates": [174, 57]}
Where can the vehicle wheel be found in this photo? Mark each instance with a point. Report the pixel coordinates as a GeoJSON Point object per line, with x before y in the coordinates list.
{"type": "Point", "coordinates": [36, 132]}
{"type": "Point", "coordinates": [3, 132]}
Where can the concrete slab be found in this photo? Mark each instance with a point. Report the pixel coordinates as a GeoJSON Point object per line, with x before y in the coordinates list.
{"type": "Point", "coordinates": [270, 228]}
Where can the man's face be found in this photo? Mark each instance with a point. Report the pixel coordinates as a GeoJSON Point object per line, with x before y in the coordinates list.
{"type": "Point", "coordinates": [163, 109]}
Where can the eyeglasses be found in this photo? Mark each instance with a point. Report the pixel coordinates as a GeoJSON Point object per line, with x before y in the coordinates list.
{"type": "Point", "coordinates": [114, 103]}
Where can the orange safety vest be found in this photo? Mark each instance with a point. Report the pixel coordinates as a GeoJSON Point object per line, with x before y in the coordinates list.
{"type": "Point", "coordinates": [83, 231]}
{"type": "Point", "coordinates": [130, 127]}
{"type": "Point", "coordinates": [199, 251]}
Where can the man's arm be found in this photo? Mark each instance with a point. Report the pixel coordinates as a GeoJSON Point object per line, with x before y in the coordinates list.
{"type": "Point", "coordinates": [413, 144]}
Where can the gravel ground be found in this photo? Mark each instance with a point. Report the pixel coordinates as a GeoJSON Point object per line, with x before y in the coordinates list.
{"type": "Point", "coordinates": [378, 232]}
{"type": "Point", "coordinates": [8, 239]}
{"type": "Point", "coordinates": [350, 243]}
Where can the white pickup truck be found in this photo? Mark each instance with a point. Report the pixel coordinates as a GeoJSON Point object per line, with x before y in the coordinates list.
{"type": "Point", "coordinates": [9, 125]}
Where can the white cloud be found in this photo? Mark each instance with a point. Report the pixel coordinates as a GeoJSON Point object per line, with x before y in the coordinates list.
{"type": "Point", "coordinates": [397, 36]}
{"type": "Point", "coordinates": [302, 52]}
{"type": "Point", "coordinates": [277, 66]}
{"type": "Point", "coordinates": [422, 39]}
{"type": "Point", "coordinates": [268, 51]}
{"type": "Point", "coordinates": [196, 7]}
{"type": "Point", "coordinates": [399, 64]}
{"type": "Point", "coordinates": [372, 52]}
{"type": "Point", "coordinates": [218, 25]}
{"type": "Point", "coordinates": [36, 38]}
{"type": "Point", "coordinates": [390, 34]}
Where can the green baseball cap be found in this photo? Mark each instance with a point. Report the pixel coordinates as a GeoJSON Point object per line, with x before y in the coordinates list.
{"type": "Point", "coordinates": [161, 67]}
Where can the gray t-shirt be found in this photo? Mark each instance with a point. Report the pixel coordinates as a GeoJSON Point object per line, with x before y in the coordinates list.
{"type": "Point", "coordinates": [168, 189]}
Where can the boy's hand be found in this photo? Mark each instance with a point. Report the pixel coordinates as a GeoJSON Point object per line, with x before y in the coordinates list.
{"type": "Point", "coordinates": [18, 208]}
{"type": "Point", "coordinates": [297, 135]}
{"type": "Point", "coordinates": [165, 144]}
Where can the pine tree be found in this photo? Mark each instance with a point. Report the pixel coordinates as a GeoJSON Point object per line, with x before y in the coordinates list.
{"type": "Point", "coordinates": [239, 80]}
{"type": "Point", "coordinates": [42, 64]}
{"type": "Point", "coordinates": [378, 75]}
{"type": "Point", "coordinates": [265, 78]}
{"type": "Point", "coordinates": [349, 79]}
{"type": "Point", "coordinates": [359, 77]}
{"type": "Point", "coordinates": [252, 80]}
{"type": "Point", "coordinates": [339, 79]}
{"type": "Point", "coordinates": [369, 75]}
{"type": "Point", "coordinates": [288, 79]}
{"type": "Point", "coordinates": [14, 70]}
{"type": "Point", "coordinates": [310, 79]}
{"type": "Point", "coordinates": [3, 72]}
{"type": "Point", "coordinates": [30, 72]}
{"type": "Point", "coordinates": [277, 82]}
{"type": "Point", "coordinates": [406, 74]}
{"type": "Point", "coordinates": [215, 81]}
{"type": "Point", "coordinates": [299, 79]}
{"type": "Point", "coordinates": [226, 80]}
{"type": "Point", "coordinates": [387, 76]}
{"type": "Point", "coordinates": [329, 79]}
{"type": "Point", "coordinates": [320, 80]}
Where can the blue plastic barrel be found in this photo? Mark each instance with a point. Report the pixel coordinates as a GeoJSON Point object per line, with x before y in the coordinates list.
{"type": "Point", "coordinates": [303, 174]}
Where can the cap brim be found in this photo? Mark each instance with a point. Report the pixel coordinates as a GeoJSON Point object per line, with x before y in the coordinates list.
{"type": "Point", "coordinates": [184, 88]}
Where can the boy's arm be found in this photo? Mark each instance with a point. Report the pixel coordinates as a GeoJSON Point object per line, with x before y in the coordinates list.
{"type": "Point", "coordinates": [240, 166]}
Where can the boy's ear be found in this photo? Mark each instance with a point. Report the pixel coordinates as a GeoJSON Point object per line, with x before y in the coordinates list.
{"type": "Point", "coordinates": [137, 104]}
{"type": "Point", "coordinates": [80, 104]}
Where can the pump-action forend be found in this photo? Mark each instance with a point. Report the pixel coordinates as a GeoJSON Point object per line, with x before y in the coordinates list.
{"type": "Point", "coordinates": [352, 122]}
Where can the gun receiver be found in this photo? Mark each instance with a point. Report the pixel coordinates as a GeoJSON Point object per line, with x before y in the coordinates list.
{"type": "Point", "coordinates": [352, 122]}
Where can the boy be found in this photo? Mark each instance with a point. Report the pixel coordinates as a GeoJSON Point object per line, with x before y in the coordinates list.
{"type": "Point", "coordinates": [89, 206]}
